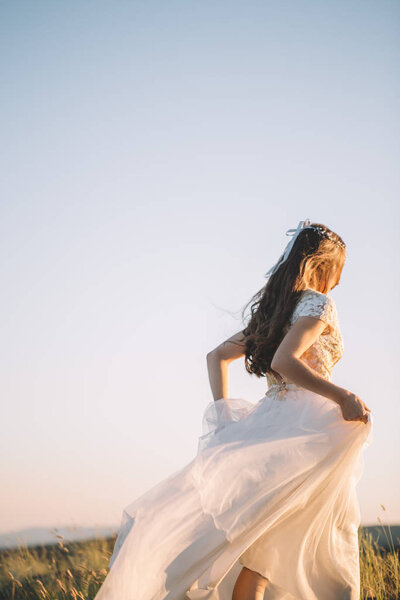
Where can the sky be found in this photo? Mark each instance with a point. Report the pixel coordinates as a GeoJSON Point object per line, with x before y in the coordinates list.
{"type": "Point", "coordinates": [153, 156]}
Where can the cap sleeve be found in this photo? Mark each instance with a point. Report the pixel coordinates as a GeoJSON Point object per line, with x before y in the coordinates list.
{"type": "Point", "coordinates": [316, 304]}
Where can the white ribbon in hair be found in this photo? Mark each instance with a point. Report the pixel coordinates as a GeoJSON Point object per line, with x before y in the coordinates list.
{"type": "Point", "coordinates": [294, 233]}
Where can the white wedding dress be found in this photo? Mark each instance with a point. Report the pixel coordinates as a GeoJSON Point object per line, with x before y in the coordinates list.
{"type": "Point", "coordinates": [272, 487]}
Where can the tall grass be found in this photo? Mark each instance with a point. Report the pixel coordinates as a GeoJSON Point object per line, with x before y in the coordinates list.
{"type": "Point", "coordinates": [379, 567]}
{"type": "Point", "coordinates": [55, 571]}
{"type": "Point", "coordinates": [75, 570]}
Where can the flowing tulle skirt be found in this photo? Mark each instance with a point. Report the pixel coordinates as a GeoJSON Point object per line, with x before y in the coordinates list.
{"type": "Point", "coordinates": [272, 488]}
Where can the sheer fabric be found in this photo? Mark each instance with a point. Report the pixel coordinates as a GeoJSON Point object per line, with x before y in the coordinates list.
{"type": "Point", "coordinates": [272, 487]}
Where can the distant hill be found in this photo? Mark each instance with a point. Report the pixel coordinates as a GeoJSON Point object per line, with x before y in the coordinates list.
{"type": "Point", "coordinates": [381, 535]}
{"type": "Point", "coordinates": [33, 536]}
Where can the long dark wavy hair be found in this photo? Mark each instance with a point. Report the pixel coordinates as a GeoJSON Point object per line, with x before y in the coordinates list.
{"type": "Point", "coordinates": [312, 258]}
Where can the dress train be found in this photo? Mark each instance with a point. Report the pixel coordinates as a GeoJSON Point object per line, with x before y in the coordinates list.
{"type": "Point", "coordinates": [272, 487]}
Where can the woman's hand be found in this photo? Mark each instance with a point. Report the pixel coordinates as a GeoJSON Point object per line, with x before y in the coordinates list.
{"type": "Point", "coordinates": [352, 407]}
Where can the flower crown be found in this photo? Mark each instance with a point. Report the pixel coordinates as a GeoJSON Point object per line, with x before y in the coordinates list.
{"type": "Point", "coordinates": [328, 234]}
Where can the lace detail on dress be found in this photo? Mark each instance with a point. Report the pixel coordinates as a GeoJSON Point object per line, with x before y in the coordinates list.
{"type": "Point", "coordinates": [315, 304]}
{"type": "Point", "coordinates": [328, 348]}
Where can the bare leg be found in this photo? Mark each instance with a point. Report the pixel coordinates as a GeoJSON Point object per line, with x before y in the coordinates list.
{"type": "Point", "coordinates": [250, 585]}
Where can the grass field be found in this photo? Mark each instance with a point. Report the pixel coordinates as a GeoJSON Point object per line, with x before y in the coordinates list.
{"type": "Point", "coordinates": [75, 570]}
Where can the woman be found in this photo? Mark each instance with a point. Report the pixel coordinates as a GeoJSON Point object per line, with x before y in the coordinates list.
{"type": "Point", "coordinates": [268, 507]}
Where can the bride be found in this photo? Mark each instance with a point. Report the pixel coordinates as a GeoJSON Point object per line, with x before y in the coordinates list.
{"type": "Point", "coordinates": [268, 508]}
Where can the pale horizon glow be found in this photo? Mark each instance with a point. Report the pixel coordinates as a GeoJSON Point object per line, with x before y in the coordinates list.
{"type": "Point", "coordinates": [154, 154]}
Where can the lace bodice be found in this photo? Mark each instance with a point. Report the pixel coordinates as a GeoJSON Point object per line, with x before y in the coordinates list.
{"type": "Point", "coordinates": [324, 353]}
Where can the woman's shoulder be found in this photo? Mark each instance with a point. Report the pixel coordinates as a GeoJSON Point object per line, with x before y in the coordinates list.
{"type": "Point", "coordinates": [311, 295]}
{"type": "Point", "coordinates": [315, 304]}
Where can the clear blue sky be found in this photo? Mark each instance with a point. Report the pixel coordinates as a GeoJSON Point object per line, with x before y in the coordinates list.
{"type": "Point", "coordinates": [153, 156]}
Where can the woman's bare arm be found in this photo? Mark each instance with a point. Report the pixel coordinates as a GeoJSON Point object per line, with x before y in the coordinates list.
{"type": "Point", "coordinates": [287, 362]}
{"type": "Point", "coordinates": [218, 361]}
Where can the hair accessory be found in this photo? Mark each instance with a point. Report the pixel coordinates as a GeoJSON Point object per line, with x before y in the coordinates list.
{"type": "Point", "coordinates": [286, 252]}
{"type": "Point", "coordinates": [329, 235]}
{"type": "Point", "coordinates": [294, 233]}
